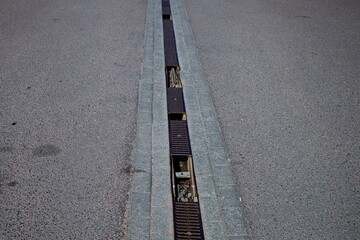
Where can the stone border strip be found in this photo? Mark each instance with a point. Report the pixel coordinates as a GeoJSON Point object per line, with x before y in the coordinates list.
{"type": "Point", "coordinates": [161, 202]}
{"type": "Point", "coordinates": [150, 205]}
{"type": "Point", "coordinates": [220, 206]}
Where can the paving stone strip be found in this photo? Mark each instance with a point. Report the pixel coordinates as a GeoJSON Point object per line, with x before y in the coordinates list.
{"type": "Point", "coordinates": [150, 208]}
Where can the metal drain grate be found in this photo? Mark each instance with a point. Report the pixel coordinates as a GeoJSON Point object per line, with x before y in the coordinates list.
{"type": "Point", "coordinates": [187, 221]}
{"type": "Point", "coordinates": [166, 11]}
{"type": "Point", "coordinates": [179, 138]}
{"type": "Point", "coordinates": [171, 59]}
{"type": "Point", "coordinates": [175, 100]}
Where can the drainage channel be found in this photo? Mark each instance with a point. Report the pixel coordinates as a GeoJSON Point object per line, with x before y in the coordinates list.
{"type": "Point", "coordinates": [186, 207]}
{"type": "Point", "coordinates": [173, 109]}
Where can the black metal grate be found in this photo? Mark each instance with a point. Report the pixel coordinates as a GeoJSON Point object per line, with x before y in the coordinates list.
{"type": "Point", "coordinates": [179, 138]}
{"type": "Point", "coordinates": [165, 3]}
{"type": "Point", "coordinates": [175, 100]}
{"type": "Point", "coordinates": [166, 10]}
{"type": "Point", "coordinates": [171, 59]}
{"type": "Point", "coordinates": [187, 219]}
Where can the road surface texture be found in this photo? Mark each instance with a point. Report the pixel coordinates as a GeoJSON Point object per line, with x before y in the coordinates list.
{"type": "Point", "coordinates": [69, 75]}
{"type": "Point", "coordinates": [284, 76]}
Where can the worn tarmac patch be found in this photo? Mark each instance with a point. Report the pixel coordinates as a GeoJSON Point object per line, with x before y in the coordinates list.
{"type": "Point", "coordinates": [46, 150]}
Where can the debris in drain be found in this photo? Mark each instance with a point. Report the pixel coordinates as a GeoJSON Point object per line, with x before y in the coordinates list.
{"type": "Point", "coordinates": [184, 191]}
{"type": "Point", "coordinates": [174, 80]}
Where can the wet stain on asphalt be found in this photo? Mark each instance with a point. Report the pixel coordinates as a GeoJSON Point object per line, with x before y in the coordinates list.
{"type": "Point", "coordinates": [307, 17]}
{"type": "Point", "coordinates": [130, 169]}
{"type": "Point", "coordinates": [46, 150]}
{"type": "Point", "coordinates": [12, 184]}
{"type": "Point", "coordinates": [6, 149]}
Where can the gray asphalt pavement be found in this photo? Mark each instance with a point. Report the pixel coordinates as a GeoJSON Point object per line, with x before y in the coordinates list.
{"type": "Point", "coordinates": [69, 75]}
{"type": "Point", "coordinates": [284, 76]}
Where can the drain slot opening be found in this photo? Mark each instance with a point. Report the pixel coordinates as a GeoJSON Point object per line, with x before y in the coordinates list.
{"type": "Point", "coordinates": [184, 189]}
{"type": "Point", "coordinates": [167, 16]}
{"type": "Point", "coordinates": [177, 116]}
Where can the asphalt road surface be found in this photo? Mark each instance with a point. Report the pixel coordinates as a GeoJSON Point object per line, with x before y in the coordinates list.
{"type": "Point", "coordinates": [284, 76]}
{"type": "Point", "coordinates": [69, 74]}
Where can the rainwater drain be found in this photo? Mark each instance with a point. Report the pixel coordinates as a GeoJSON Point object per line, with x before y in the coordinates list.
{"type": "Point", "coordinates": [187, 216]}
